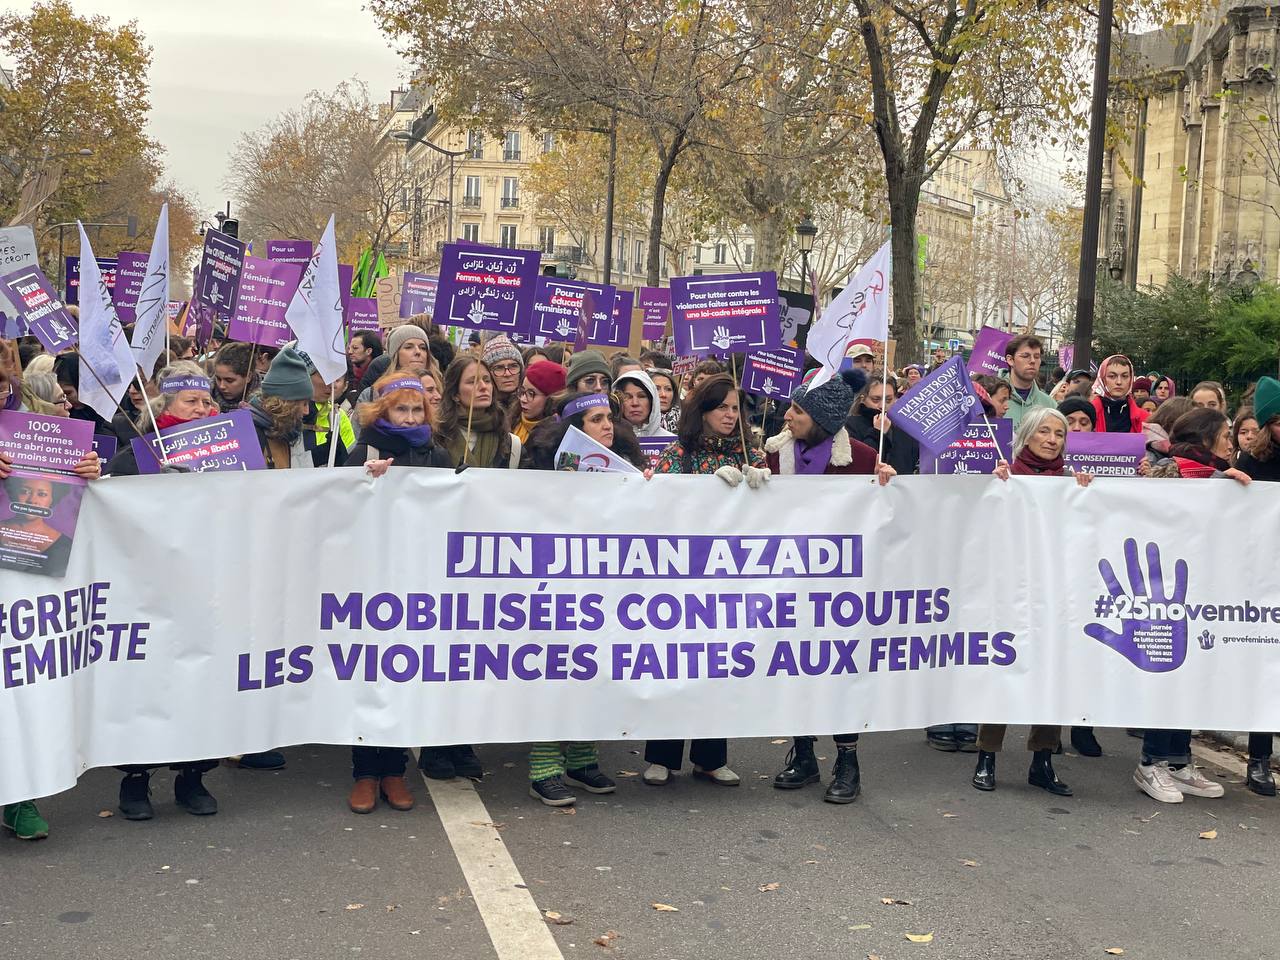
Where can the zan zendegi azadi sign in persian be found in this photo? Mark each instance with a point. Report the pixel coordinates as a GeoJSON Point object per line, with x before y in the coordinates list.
{"type": "Point", "coordinates": [673, 607]}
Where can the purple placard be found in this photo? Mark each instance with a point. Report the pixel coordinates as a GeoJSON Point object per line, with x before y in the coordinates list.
{"type": "Point", "coordinates": [106, 266]}
{"type": "Point", "coordinates": [973, 452]}
{"type": "Point", "coordinates": [624, 305]}
{"type": "Point", "coordinates": [653, 447]}
{"type": "Point", "coordinates": [773, 373]}
{"type": "Point", "coordinates": [937, 409]}
{"type": "Point", "coordinates": [418, 295]}
{"type": "Point", "coordinates": [218, 279]}
{"type": "Point", "coordinates": [656, 304]}
{"type": "Point", "coordinates": [266, 287]}
{"type": "Point", "coordinates": [11, 327]}
{"type": "Point", "coordinates": [1105, 454]}
{"type": "Point", "coordinates": [43, 313]}
{"type": "Point", "coordinates": [42, 495]}
{"type": "Point", "coordinates": [487, 288]}
{"type": "Point", "coordinates": [105, 447]}
{"type": "Point", "coordinates": [1066, 356]}
{"type": "Point", "coordinates": [223, 442]}
{"type": "Point", "coordinates": [346, 276]}
{"type": "Point", "coordinates": [987, 357]}
{"type": "Point", "coordinates": [362, 314]}
{"type": "Point", "coordinates": [131, 272]}
{"type": "Point", "coordinates": [731, 313]}
{"type": "Point", "coordinates": [557, 311]}
{"type": "Point", "coordinates": [290, 251]}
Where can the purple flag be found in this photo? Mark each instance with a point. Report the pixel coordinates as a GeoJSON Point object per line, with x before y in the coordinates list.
{"type": "Point", "coordinates": [106, 266]}
{"type": "Point", "coordinates": [773, 373]}
{"type": "Point", "coordinates": [558, 311]}
{"type": "Point", "coordinates": [266, 287]}
{"type": "Point", "coordinates": [656, 304]}
{"type": "Point", "coordinates": [730, 313]}
{"type": "Point", "coordinates": [418, 295]}
{"type": "Point", "coordinates": [937, 409]}
{"type": "Point", "coordinates": [487, 288]}
{"type": "Point", "coordinates": [224, 442]}
{"type": "Point", "coordinates": [362, 314]}
{"type": "Point", "coordinates": [1105, 454]}
{"type": "Point", "coordinates": [41, 310]}
{"type": "Point", "coordinates": [974, 451]}
{"type": "Point", "coordinates": [131, 272]}
{"type": "Point", "coordinates": [346, 276]}
{"type": "Point", "coordinates": [988, 352]}
{"type": "Point", "coordinates": [218, 280]}
{"type": "Point", "coordinates": [290, 251]}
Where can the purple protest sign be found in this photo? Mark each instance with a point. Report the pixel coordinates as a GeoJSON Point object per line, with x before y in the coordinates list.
{"type": "Point", "coordinates": [11, 327]}
{"type": "Point", "coordinates": [558, 305]}
{"type": "Point", "coordinates": [131, 272]}
{"type": "Point", "coordinates": [41, 310]}
{"type": "Point", "coordinates": [224, 442]}
{"type": "Point", "coordinates": [346, 275]}
{"type": "Point", "coordinates": [1105, 454]}
{"type": "Point", "coordinates": [773, 373]}
{"type": "Point", "coordinates": [487, 288]}
{"type": "Point", "coordinates": [655, 302]}
{"type": "Point", "coordinates": [266, 287]}
{"type": "Point", "coordinates": [106, 266]}
{"type": "Point", "coordinates": [218, 279]}
{"type": "Point", "coordinates": [418, 295]}
{"type": "Point", "coordinates": [937, 409]}
{"type": "Point", "coordinates": [42, 494]}
{"type": "Point", "coordinates": [653, 447]}
{"type": "Point", "coordinates": [1066, 356]}
{"type": "Point", "coordinates": [973, 452]}
{"type": "Point", "coordinates": [362, 314]}
{"type": "Point", "coordinates": [624, 305]}
{"type": "Point", "coordinates": [987, 357]}
{"type": "Point", "coordinates": [105, 447]}
{"type": "Point", "coordinates": [735, 312]}
{"type": "Point", "coordinates": [290, 251]}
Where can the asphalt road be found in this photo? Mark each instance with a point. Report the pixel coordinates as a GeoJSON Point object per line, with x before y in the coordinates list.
{"type": "Point", "coordinates": [286, 871]}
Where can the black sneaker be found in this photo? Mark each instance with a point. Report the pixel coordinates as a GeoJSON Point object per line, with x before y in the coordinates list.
{"type": "Point", "coordinates": [436, 763]}
{"type": "Point", "coordinates": [135, 797]}
{"type": "Point", "coordinates": [552, 792]}
{"type": "Point", "coordinates": [190, 794]}
{"type": "Point", "coordinates": [591, 779]}
{"type": "Point", "coordinates": [465, 762]}
{"type": "Point", "coordinates": [266, 760]}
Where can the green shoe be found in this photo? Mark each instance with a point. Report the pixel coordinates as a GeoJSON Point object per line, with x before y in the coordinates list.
{"type": "Point", "coordinates": [25, 821]}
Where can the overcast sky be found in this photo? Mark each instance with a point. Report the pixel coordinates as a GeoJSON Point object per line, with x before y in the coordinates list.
{"type": "Point", "coordinates": [222, 67]}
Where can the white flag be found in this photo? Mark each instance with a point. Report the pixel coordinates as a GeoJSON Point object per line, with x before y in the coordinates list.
{"type": "Point", "coordinates": [315, 312]}
{"type": "Point", "coordinates": [861, 312]}
{"type": "Point", "coordinates": [106, 362]}
{"type": "Point", "coordinates": [589, 456]}
{"type": "Point", "coordinates": [153, 301]}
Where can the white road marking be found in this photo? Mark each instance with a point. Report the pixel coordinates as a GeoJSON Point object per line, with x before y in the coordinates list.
{"type": "Point", "coordinates": [512, 919]}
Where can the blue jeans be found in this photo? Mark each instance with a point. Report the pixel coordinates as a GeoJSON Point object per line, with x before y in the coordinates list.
{"type": "Point", "coordinates": [1172, 746]}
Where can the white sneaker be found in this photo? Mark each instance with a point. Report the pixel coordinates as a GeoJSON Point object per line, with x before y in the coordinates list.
{"type": "Point", "coordinates": [656, 775]}
{"type": "Point", "coordinates": [1190, 781]}
{"type": "Point", "coordinates": [721, 776]}
{"type": "Point", "coordinates": [1154, 780]}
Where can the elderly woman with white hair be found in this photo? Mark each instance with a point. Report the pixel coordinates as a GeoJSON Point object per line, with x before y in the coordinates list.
{"type": "Point", "coordinates": [1038, 449]}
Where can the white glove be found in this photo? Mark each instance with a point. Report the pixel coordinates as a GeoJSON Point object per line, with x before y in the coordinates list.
{"type": "Point", "coordinates": [757, 477]}
{"type": "Point", "coordinates": [730, 475]}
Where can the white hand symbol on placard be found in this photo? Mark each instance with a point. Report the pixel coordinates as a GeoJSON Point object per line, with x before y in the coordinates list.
{"type": "Point", "coordinates": [768, 386]}
{"type": "Point", "coordinates": [720, 338]}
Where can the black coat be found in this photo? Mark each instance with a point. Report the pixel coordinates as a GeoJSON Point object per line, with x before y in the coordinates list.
{"type": "Point", "coordinates": [900, 451]}
{"type": "Point", "coordinates": [1259, 469]}
{"type": "Point", "coordinates": [397, 448]}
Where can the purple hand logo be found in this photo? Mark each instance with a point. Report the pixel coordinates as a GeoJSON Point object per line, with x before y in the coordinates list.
{"type": "Point", "coordinates": [1153, 630]}
{"type": "Point", "coordinates": [1206, 640]}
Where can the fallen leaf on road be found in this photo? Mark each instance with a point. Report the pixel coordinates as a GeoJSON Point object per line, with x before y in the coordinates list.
{"type": "Point", "coordinates": [811, 861]}
{"type": "Point", "coordinates": [1114, 951]}
{"type": "Point", "coordinates": [392, 907]}
{"type": "Point", "coordinates": [665, 908]}
{"type": "Point", "coordinates": [970, 863]}
{"type": "Point", "coordinates": [861, 926]}
{"type": "Point", "coordinates": [919, 937]}
{"type": "Point", "coordinates": [1209, 835]}
{"type": "Point", "coordinates": [487, 823]}
{"type": "Point", "coordinates": [627, 773]}
{"type": "Point", "coordinates": [569, 811]}
{"type": "Point", "coordinates": [606, 939]}
{"type": "Point", "coordinates": [355, 906]}
{"type": "Point", "coordinates": [765, 888]}
{"type": "Point", "coordinates": [414, 933]}
{"type": "Point", "coordinates": [103, 814]}
{"type": "Point", "coordinates": [777, 741]}
{"type": "Point", "coordinates": [874, 956]}
{"type": "Point", "coordinates": [950, 816]}
{"type": "Point", "coordinates": [558, 919]}
{"type": "Point", "coordinates": [1150, 818]}
{"type": "Point", "coordinates": [894, 902]}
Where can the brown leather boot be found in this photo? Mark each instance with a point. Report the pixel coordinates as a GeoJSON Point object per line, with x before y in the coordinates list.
{"type": "Point", "coordinates": [364, 795]}
{"type": "Point", "coordinates": [396, 792]}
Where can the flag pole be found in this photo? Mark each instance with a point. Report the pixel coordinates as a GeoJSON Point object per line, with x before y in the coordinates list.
{"type": "Point", "coordinates": [742, 414]}
{"type": "Point", "coordinates": [991, 432]}
{"type": "Point", "coordinates": [333, 425]}
{"type": "Point", "coordinates": [884, 413]}
{"type": "Point", "coordinates": [471, 406]}
{"type": "Point", "coordinates": [146, 403]}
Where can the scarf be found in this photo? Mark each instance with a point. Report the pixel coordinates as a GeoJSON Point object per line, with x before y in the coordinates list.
{"type": "Point", "coordinates": [525, 427]}
{"type": "Point", "coordinates": [1100, 381]}
{"type": "Point", "coordinates": [169, 420]}
{"type": "Point", "coordinates": [489, 428]}
{"type": "Point", "coordinates": [813, 459]}
{"type": "Point", "coordinates": [1028, 464]}
{"type": "Point", "coordinates": [1195, 461]}
{"type": "Point", "coordinates": [417, 437]}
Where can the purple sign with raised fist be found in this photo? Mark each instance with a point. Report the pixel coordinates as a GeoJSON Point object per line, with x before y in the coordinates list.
{"type": "Point", "coordinates": [290, 251]}
{"type": "Point", "coordinates": [1105, 454]}
{"type": "Point", "coordinates": [987, 357]}
{"type": "Point", "coordinates": [43, 313]}
{"type": "Point", "coordinates": [224, 442]}
{"type": "Point", "coordinates": [266, 287]}
{"type": "Point", "coordinates": [557, 310]}
{"type": "Point", "coordinates": [487, 288]}
{"type": "Point", "coordinates": [974, 452]}
{"type": "Point", "coordinates": [418, 295]}
{"type": "Point", "coordinates": [218, 279]}
{"type": "Point", "coordinates": [730, 313]}
{"type": "Point", "coordinates": [773, 373]}
{"type": "Point", "coordinates": [131, 272]}
{"type": "Point", "coordinates": [936, 410]}
{"type": "Point", "coordinates": [656, 304]}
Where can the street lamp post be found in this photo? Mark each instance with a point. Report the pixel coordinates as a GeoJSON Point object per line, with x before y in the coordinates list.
{"type": "Point", "coordinates": [406, 137]}
{"type": "Point", "coordinates": [806, 233]}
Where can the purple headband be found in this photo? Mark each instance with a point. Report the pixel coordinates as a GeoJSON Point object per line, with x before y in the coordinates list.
{"type": "Point", "coordinates": [184, 382]}
{"type": "Point", "coordinates": [581, 404]}
{"type": "Point", "coordinates": [402, 383]}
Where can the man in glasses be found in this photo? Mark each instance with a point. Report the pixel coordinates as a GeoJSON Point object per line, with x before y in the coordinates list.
{"type": "Point", "coordinates": [588, 373]}
{"type": "Point", "coordinates": [1022, 354]}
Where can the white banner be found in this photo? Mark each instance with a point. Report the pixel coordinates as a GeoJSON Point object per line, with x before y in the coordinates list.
{"type": "Point", "coordinates": [209, 615]}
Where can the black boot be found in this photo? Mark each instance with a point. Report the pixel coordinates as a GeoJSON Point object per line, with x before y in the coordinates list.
{"type": "Point", "coordinates": [1084, 742]}
{"type": "Point", "coordinates": [466, 763]}
{"type": "Point", "coordinates": [135, 796]}
{"type": "Point", "coordinates": [1259, 778]}
{"type": "Point", "coordinates": [1041, 774]}
{"type": "Point", "coordinates": [189, 793]}
{"type": "Point", "coordinates": [436, 763]}
{"type": "Point", "coordinates": [846, 779]}
{"type": "Point", "coordinates": [984, 774]}
{"type": "Point", "coordinates": [802, 766]}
